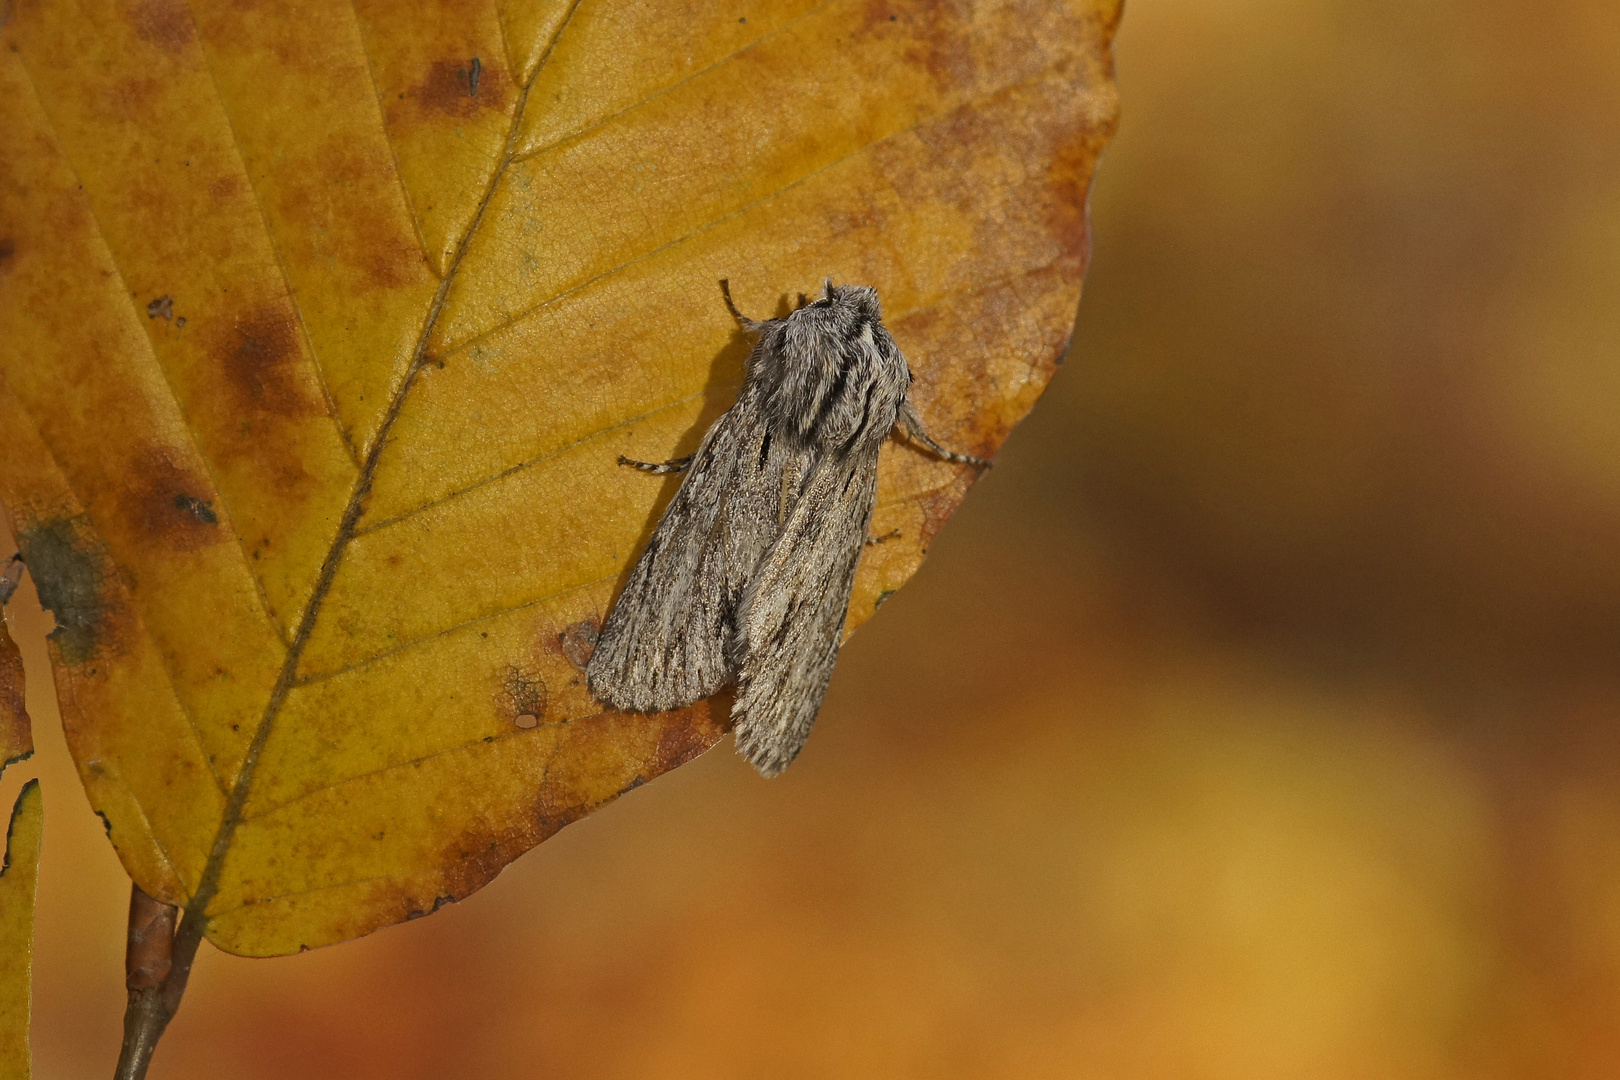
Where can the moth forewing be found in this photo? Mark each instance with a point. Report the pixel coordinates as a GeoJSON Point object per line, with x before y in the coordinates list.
{"type": "Point", "coordinates": [791, 620]}
{"type": "Point", "coordinates": [748, 576]}
{"type": "Point", "coordinates": [664, 644]}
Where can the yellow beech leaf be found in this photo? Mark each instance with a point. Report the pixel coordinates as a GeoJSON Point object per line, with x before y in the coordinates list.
{"type": "Point", "coordinates": [322, 327]}
{"type": "Point", "coordinates": [18, 877]}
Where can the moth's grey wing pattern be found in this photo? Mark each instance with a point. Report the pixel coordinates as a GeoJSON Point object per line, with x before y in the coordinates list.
{"type": "Point", "coordinates": [664, 644]}
{"type": "Point", "coordinates": [747, 578]}
{"type": "Point", "coordinates": [791, 619]}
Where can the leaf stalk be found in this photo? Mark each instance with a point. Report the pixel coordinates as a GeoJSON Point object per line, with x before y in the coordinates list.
{"type": "Point", "coordinates": [157, 963]}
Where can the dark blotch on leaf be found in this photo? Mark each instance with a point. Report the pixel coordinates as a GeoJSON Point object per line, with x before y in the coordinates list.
{"type": "Point", "coordinates": [525, 693]}
{"type": "Point", "coordinates": [197, 508]}
{"type": "Point", "coordinates": [261, 360]}
{"type": "Point", "coordinates": [161, 308]}
{"type": "Point", "coordinates": [454, 89]}
{"type": "Point", "coordinates": [69, 579]}
{"type": "Point", "coordinates": [173, 505]}
{"type": "Point", "coordinates": [164, 23]}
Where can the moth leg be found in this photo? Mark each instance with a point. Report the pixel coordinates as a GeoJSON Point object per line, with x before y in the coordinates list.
{"type": "Point", "coordinates": [892, 534]}
{"type": "Point", "coordinates": [753, 326]}
{"type": "Point", "coordinates": [680, 464]}
{"type": "Point", "coordinates": [914, 431]}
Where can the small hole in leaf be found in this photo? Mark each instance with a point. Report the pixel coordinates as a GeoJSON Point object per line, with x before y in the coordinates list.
{"type": "Point", "coordinates": [527, 720]}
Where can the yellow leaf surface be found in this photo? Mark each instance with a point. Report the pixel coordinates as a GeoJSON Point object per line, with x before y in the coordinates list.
{"type": "Point", "coordinates": [17, 883]}
{"type": "Point", "coordinates": [322, 327]}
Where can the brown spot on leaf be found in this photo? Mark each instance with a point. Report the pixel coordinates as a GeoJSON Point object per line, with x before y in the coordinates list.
{"type": "Point", "coordinates": [392, 263]}
{"type": "Point", "coordinates": [578, 642]}
{"type": "Point", "coordinates": [130, 98]}
{"type": "Point", "coordinates": [225, 187]}
{"type": "Point", "coordinates": [161, 308]}
{"type": "Point", "coordinates": [261, 360]}
{"type": "Point", "coordinates": [8, 248]}
{"type": "Point", "coordinates": [164, 23]}
{"type": "Point", "coordinates": [522, 693]}
{"type": "Point", "coordinates": [449, 88]}
{"type": "Point", "coordinates": [170, 503]}
{"type": "Point", "coordinates": [935, 34]}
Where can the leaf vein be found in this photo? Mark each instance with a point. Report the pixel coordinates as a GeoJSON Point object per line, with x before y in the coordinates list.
{"type": "Point", "coordinates": [510, 469]}
{"type": "Point", "coordinates": [512, 318]}
{"type": "Point", "coordinates": [193, 925]}
{"type": "Point", "coordinates": [303, 892]}
{"type": "Point", "coordinates": [393, 151]}
{"type": "Point", "coordinates": [281, 264]}
{"type": "Point", "coordinates": [520, 466]}
{"type": "Point", "coordinates": [395, 766]}
{"type": "Point", "coordinates": [164, 659]}
{"type": "Point", "coordinates": [311, 680]}
{"type": "Point", "coordinates": [672, 87]}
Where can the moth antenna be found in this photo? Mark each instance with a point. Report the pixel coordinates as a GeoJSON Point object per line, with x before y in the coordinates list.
{"type": "Point", "coordinates": [753, 326]}
{"type": "Point", "coordinates": [827, 285]}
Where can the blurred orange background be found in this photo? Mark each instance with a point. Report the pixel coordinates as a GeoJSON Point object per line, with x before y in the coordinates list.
{"type": "Point", "coordinates": [1255, 718]}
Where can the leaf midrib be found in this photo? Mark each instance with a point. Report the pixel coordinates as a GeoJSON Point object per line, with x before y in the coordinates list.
{"type": "Point", "coordinates": [194, 923]}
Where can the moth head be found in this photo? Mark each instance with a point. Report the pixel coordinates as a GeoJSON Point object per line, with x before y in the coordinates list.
{"type": "Point", "coordinates": [831, 372]}
{"type": "Point", "coordinates": [842, 303]}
